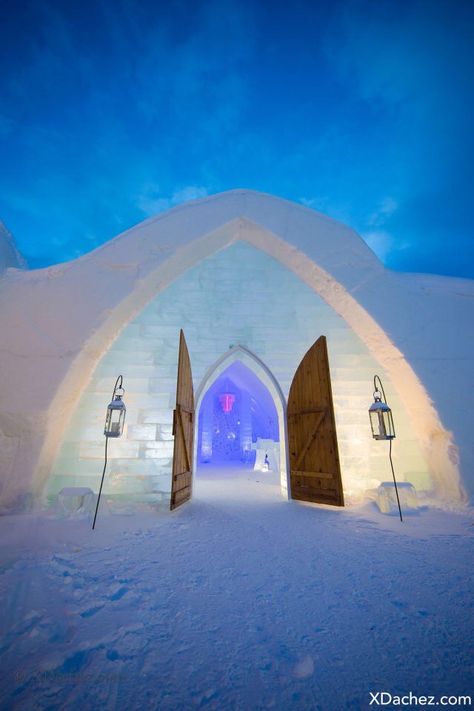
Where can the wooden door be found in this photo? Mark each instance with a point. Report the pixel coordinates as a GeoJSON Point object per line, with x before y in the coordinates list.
{"type": "Point", "coordinates": [315, 473]}
{"type": "Point", "coordinates": [183, 429]}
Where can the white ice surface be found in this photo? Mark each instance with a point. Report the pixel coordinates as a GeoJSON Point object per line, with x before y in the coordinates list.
{"type": "Point", "coordinates": [418, 327]}
{"type": "Point", "coordinates": [238, 600]}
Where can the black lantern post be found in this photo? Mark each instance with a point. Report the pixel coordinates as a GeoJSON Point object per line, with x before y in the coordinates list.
{"type": "Point", "coordinates": [114, 422]}
{"type": "Point", "coordinates": [381, 423]}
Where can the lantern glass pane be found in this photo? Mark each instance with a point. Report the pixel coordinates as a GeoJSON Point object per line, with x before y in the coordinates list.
{"type": "Point", "coordinates": [389, 425]}
{"type": "Point", "coordinates": [114, 421]}
{"type": "Point", "coordinates": [375, 423]}
{"type": "Point", "coordinates": [381, 422]}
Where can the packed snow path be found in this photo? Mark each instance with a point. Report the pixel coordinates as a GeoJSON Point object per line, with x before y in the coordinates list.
{"type": "Point", "coordinates": [238, 600]}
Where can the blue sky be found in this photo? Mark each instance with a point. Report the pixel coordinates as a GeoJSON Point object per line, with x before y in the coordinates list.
{"type": "Point", "coordinates": [113, 111]}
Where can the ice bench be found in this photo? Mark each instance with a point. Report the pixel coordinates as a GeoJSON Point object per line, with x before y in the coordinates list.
{"type": "Point", "coordinates": [74, 499]}
{"type": "Point", "coordinates": [387, 497]}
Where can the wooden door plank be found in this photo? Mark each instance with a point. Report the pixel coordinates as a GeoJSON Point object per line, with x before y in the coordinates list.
{"type": "Point", "coordinates": [183, 429]}
{"type": "Point", "coordinates": [315, 475]}
{"type": "Point", "coordinates": [314, 459]}
{"type": "Point", "coordinates": [310, 439]}
{"type": "Point", "coordinates": [308, 411]}
{"type": "Point", "coordinates": [179, 411]}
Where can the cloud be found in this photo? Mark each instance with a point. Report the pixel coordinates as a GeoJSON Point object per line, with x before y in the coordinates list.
{"type": "Point", "coordinates": [189, 68]}
{"type": "Point", "coordinates": [152, 201]}
{"type": "Point", "coordinates": [383, 212]}
{"type": "Point", "coordinates": [412, 63]}
{"type": "Point", "coordinates": [113, 112]}
{"type": "Point", "coordinates": [380, 242]}
{"type": "Point", "coordinates": [318, 203]}
{"type": "Point", "coordinates": [377, 235]}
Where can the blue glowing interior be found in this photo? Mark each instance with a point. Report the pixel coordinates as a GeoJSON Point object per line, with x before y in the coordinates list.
{"type": "Point", "coordinates": [236, 411]}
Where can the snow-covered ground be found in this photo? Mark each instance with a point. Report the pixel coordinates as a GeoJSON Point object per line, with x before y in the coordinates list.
{"type": "Point", "coordinates": [238, 600]}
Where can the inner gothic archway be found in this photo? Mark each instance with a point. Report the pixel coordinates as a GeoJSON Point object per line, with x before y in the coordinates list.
{"type": "Point", "coordinates": [241, 418]}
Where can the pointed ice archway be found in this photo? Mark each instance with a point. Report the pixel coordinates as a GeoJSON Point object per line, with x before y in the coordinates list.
{"type": "Point", "coordinates": [154, 254]}
{"type": "Point", "coordinates": [263, 373]}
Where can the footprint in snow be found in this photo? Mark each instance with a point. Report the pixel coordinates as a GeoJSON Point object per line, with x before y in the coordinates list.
{"type": "Point", "coordinates": [398, 603]}
{"type": "Point", "coordinates": [118, 594]}
{"type": "Point", "coordinates": [63, 562]}
{"type": "Point", "coordinates": [63, 635]}
{"type": "Point", "coordinates": [75, 663]}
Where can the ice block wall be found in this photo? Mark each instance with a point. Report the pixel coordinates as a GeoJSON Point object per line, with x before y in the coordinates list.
{"type": "Point", "coordinates": [238, 296]}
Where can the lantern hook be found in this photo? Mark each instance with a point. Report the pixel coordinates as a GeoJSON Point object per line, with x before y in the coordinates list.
{"type": "Point", "coordinates": [379, 390]}
{"type": "Point", "coordinates": [118, 387]}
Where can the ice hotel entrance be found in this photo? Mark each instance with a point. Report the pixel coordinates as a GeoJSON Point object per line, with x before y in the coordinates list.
{"type": "Point", "coordinates": [242, 423]}
{"type": "Point", "coordinates": [237, 269]}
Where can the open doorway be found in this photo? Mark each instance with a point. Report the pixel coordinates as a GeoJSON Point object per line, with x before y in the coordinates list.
{"type": "Point", "coordinates": [240, 426]}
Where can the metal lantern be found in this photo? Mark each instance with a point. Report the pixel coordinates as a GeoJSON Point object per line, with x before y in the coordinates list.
{"type": "Point", "coordinates": [114, 422]}
{"type": "Point", "coordinates": [115, 418]}
{"type": "Point", "coordinates": [381, 420]}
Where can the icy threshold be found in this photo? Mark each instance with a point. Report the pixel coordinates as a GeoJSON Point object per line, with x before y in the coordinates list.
{"type": "Point", "coordinates": [237, 600]}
